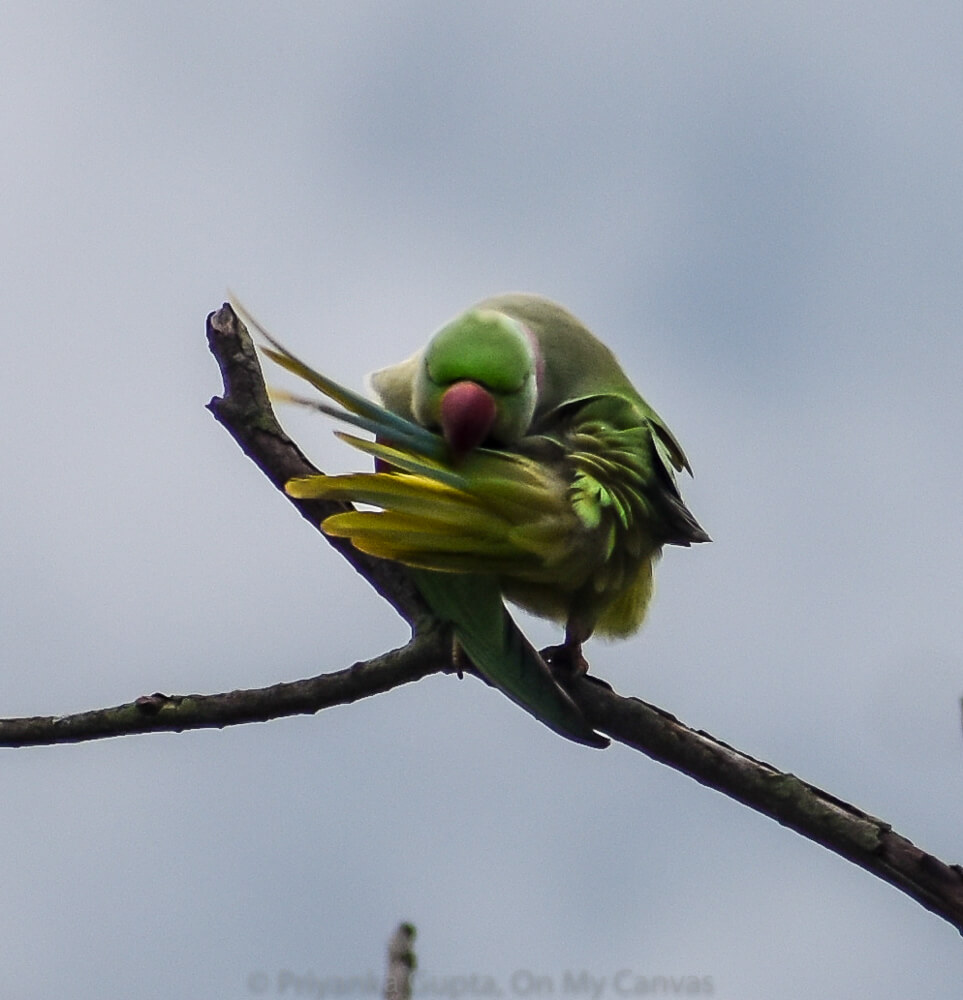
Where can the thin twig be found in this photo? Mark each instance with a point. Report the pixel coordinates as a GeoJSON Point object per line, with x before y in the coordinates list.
{"type": "Point", "coordinates": [401, 963]}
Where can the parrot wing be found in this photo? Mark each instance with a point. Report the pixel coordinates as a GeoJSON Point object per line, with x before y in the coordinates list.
{"type": "Point", "coordinates": [460, 533]}
{"type": "Point", "coordinates": [464, 518]}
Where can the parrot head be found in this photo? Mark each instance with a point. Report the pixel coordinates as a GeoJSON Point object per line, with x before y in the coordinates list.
{"type": "Point", "coordinates": [478, 381]}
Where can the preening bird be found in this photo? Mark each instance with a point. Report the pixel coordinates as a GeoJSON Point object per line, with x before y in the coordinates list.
{"type": "Point", "coordinates": [514, 459]}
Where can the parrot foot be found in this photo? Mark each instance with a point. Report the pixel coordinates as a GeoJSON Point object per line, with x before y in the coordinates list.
{"type": "Point", "coordinates": [566, 659]}
{"type": "Point", "coordinates": [459, 659]}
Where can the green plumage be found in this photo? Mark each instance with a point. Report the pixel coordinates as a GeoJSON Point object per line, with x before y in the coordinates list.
{"type": "Point", "coordinates": [563, 509]}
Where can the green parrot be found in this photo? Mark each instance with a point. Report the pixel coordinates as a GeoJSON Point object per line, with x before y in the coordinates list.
{"type": "Point", "coordinates": [514, 459]}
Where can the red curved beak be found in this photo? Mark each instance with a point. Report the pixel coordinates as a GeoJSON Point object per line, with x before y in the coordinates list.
{"type": "Point", "coordinates": [467, 414]}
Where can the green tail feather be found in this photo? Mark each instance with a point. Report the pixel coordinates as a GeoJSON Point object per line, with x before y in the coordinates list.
{"type": "Point", "coordinates": [473, 606]}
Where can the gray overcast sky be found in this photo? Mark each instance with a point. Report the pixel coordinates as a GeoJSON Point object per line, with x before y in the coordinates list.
{"type": "Point", "coordinates": [759, 206]}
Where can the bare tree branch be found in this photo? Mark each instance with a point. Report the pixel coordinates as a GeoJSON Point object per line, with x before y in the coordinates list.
{"type": "Point", "coordinates": [246, 413]}
{"type": "Point", "coordinates": [865, 840]}
{"type": "Point", "coordinates": [156, 713]}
